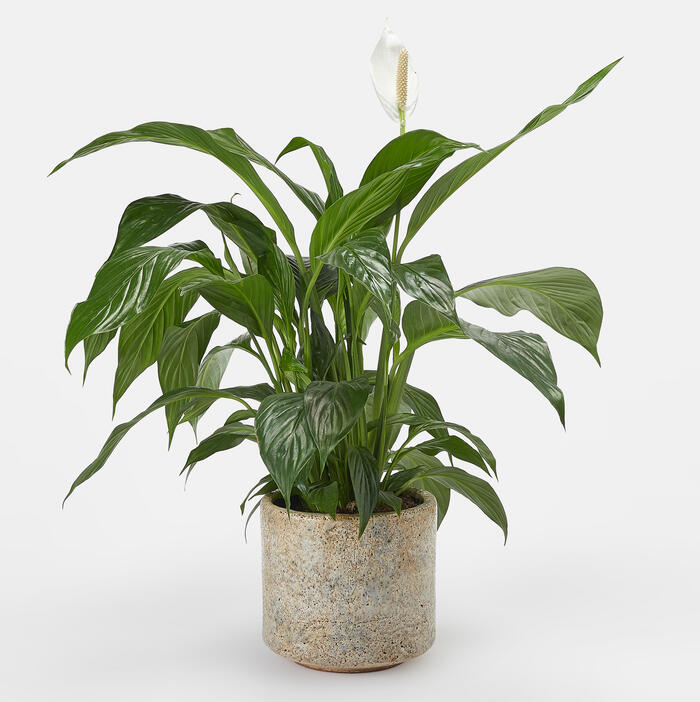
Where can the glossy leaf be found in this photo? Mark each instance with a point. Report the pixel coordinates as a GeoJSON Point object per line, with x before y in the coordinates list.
{"type": "Point", "coordinates": [321, 498]}
{"type": "Point", "coordinates": [366, 258]}
{"type": "Point", "coordinates": [249, 302]}
{"type": "Point", "coordinates": [563, 298]}
{"type": "Point", "coordinates": [94, 345]}
{"type": "Point", "coordinates": [123, 286]}
{"type": "Point", "coordinates": [224, 438]}
{"type": "Point", "coordinates": [335, 190]}
{"type": "Point", "coordinates": [422, 325]}
{"type": "Point", "coordinates": [448, 183]}
{"type": "Point", "coordinates": [121, 430]}
{"type": "Point", "coordinates": [182, 349]}
{"type": "Point", "coordinates": [275, 267]}
{"type": "Point", "coordinates": [426, 280]}
{"type": "Point", "coordinates": [527, 354]}
{"type": "Point", "coordinates": [141, 337]}
{"type": "Point", "coordinates": [286, 444]}
{"type": "Point", "coordinates": [332, 409]}
{"type": "Point", "coordinates": [217, 143]}
{"type": "Point", "coordinates": [456, 447]}
{"type": "Point", "coordinates": [364, 476]}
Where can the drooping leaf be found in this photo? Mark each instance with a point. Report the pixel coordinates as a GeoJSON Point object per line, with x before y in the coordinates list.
{"type": "Point", "coordinates": [335, 191]}
{"type": "Point", "coordinates": [321, 498]}
{"type": "Point", "coordinates": [123, 286]}
{"type": "Point", "coordinates": [422, 324]}
{"type": "Point", "coordinates": [366, 258]}
{"type": "Point", "coordinates": [220, 144]}
{"type": "Point", "coordinates": [224, 438]}
{"type": "Point", "coordinates": [456, 447]}
{"type": "Point", "coordinates": [332, 409]}
{"type": "Point", "coordinates": [527, 354]}
{"type": "Point", "coordinates": [141, 337]}
{"type": "Point", "coordinates": [386, 497]}
{"type": "Point", "coordinates": [439, 491]}
{"type": "Point", "coordinates": [265, 481]}
{"type": "Point", "coordinates": [364, 476]}
{"type": "Point", "coordinates": [448, 183]}
{"type": "Point", "coordinates": [564, 298]}
{"type": "Point", "coordinates": [286, 444]}
{"type": "Point", "coordinates": [427, 280]}
{"type": "Point", "coordinates": [179, 357]}
{"type": "Point", "coordinates": [94, 345]}
{"type": "Point", "coordinates": [475, 489]}
{"type": "Point", "coordinates": [249, 302]}
{"type": "Point", "coordinates": [121, 430]}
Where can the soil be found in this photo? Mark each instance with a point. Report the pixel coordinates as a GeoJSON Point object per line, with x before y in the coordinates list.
{"type": "Point", "coordinates": [407, 501]}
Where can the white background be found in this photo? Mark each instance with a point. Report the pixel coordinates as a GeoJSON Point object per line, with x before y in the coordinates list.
{"type": "Point", "coordinates": [139, 590]}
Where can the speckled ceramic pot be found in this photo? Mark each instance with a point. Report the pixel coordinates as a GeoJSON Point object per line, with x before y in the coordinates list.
{"type": "Point", "coordinates": [335, 602]}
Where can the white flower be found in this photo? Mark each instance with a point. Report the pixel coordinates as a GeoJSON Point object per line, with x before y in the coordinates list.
{"type": "Point", "coordinates": [394, 78]}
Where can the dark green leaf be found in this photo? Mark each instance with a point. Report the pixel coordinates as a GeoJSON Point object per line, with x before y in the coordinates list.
{"type": "Point", "coordinates": [182, 349]}
{"type": "Point", "coordinates": [448, 183]}
{"type": "Point", "coordinates": [226, 437]}
{"type": "Point", "coordinates": [263, 483]}
{"type": "Point", "coordinates": [286, 444]}
{"type": "Point", "coordinates": [427, 280]}
{"type": "Point", "coordinates": [94, 345]}
{"type": "Point", "coordinates": [335, 191]}
{"type": "Point", "coordinates": [321, 498]}
{"type": "Point", "coordinates": [422, 324]}
{"type": "Point", "coordinates": [323, 347]}
{"type": "Point", "coordinates": [364, 476]}
{"type": "Point", "coordinates": [456, 447]}
{"type": "Point", "coordinates": [332, 409]}
{"type": "Point", "coordinates": [564, 298]}
{"type": "Point", "coordinates": [389, 498]}
{"type": "Point", "coordinates": [123, 286]}
{"type": "Point", "coordinates": [275, 267]}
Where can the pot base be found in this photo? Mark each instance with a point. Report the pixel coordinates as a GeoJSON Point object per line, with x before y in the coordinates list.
{"type": "Point", "coordinates": [349, 670]}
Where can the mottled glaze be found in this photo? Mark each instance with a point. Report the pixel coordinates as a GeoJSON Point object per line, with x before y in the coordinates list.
{"type": "Point", "coordinates": [335, 602]}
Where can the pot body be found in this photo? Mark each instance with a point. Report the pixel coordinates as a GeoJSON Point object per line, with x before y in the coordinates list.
{"type": "Point", "coordinates": [335, 602]}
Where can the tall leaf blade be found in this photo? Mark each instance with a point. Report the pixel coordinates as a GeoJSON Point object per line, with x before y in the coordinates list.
{"type": "Point", "coordinates": [364, 477]}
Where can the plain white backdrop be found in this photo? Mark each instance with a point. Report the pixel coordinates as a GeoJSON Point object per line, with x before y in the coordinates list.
{"type": "Point", "coordinates": [140, 590]}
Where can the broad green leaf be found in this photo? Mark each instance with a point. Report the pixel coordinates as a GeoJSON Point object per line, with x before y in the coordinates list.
{"type": "Point", "coordinates": [422, 403]}
{"type": "Point", "coordinates": [326, 283]}
{"type": "Point", "coordinates": [249, 302]}
{"type": "Point", "coordinates": [224, 438]}
{"type": "Point", "coordinates": [387, 497]}
{"type": "Point", "coordinates": [286, 444]}
{"type": "Point", "coordinates": [94, 345]}
{"type": "Point", "coordinates": [366, 258]}
{"type": "Point", "coordinates": [217, 143]}
{"type": "Point", "coordinates": [564, 298]}
{"type": "Point", "coordinates": [355, 212]}
{"type": "Point", "coordinates": [423, 148]}
{"type": "Point", "coordinates": [448, 183]}
{"type": "Point", "coordinates": [471, 487]}
{"type": "Point", "coordinates": [121, 430]}
{"type": "Point", "coordinates": [335, 191]}
{"type": "Point", "coordinates": [422, 324]}
{"type": "Point", "coordinates": [364, 476]}
{"type": "Point", "coordinates": [141, 337]}
{"type": "Point", "coordinates": [527, 354]}
{"type": "Point", "coordinates": [321, 498]}
{"type": "Point", "coordinates": [456, 447]}
{"type": "Point", "coordinates": [323, 347]}
{"type": "Point", "coordinates": [123, 286]}
{"type": "Point", "coordinates": [332, 409]}
{"type": "Point", "coordinates": [426, 280]}
{"type": "Point", "coordinates": [182, 349]}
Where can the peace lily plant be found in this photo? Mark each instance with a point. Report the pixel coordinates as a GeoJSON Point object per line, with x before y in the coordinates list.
{"type": "Point", "coordinates": [340, 429]}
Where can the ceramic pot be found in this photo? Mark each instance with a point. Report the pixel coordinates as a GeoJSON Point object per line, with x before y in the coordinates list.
{"type": "Point", "coordinates": [338, 603]}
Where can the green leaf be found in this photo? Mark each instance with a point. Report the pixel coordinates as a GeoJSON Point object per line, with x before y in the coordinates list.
{"type": "Point", "coordinates": [94, 345]}
{"type": "Point", "coordinates": [422, 325]}
{"type": "Point", "coordinates": [366, 258]}
{"type": "Point", "coordinates": [387, 497]}
{"type": "Point", "coordinates": [335, 191]}
{"type": "Point", "coordinates": [323, 347]}
{"type": "Point", "coordinates": [439, 491]}
{"type": "Point", "coordinates": [286, 444]}
{"type": "Point", "coordinates": [220, 144]}
{"type": "Point", "coordinates": [182, 349]}
{"type": "Point", "coordinates": [141, 337]}
{"type": "Point", "coordinates": [423, 148]}
{"type": "Point", "coordinates": [427, 280]}
{"type": "Point", "coordinates": [123, 286]}
{"type": "Point", "coordinates": [321, 498]}
{"type": "Point", "coordinates": [249, 302]}
{"type": "Point", "coordinates": [275, 267]}
{"type": "Point", "coordinates": [564, 298]}
{"type": "Point", "coordinates": [224, 438]}
{"type": "Point", "coordinates": [326, 284]}
{"type": "Point", "coordinates": [364, 476]}
{"type": "Point", "coordinates": [448, 183]}
{"type": "Point", "coordinates": [332, 409]}
{"type": "Point", "coordinates": [121, 430]}
{"type": "Point", "coordinates": [527, 354]}
{"type": "Point", "coordinates": [355, 212]}
{"type": "Point", "coordinates": [263, 483]}
{"type": "Point", "coordinates": [471, 487]}
{"type": "Point", "coordinates": [456, 447]}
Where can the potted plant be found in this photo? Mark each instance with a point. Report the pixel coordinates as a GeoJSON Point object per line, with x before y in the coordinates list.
{"type": "Point", "coordinates": [360, 463]}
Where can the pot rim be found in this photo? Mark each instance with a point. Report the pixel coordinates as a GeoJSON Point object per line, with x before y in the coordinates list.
{"type": "Point", "coordinates": [429, 503]}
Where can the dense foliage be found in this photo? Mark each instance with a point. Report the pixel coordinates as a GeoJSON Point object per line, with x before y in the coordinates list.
{"type": "Point", "coordinates": [332, 426]}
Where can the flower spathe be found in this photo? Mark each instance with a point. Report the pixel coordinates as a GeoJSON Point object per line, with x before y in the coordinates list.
{"type": "Point", "coordinates": [393, 75]}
